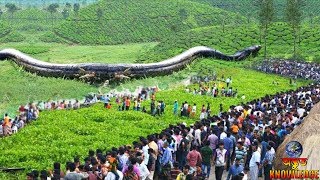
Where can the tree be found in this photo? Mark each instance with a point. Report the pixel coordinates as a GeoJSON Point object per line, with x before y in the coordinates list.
{"type": "Point", "coordinates": [183, 14]}
{"type": "Point", "coordinates": [76, 8]}
{"type": "Point", "coordinates": [265, 14]}
{"type": "Point", "coordinates": [68, 5]}
{"type": "Point", "coordinates": [99, 13]}
{"type": "Point", "coordinates": [65, 13]}
{"type": "Point", "coordinates": [52, 8]}
{"type": "Point", "coordinates": [294, 17]}
{"type": "Point", "coordinates": [1, 12]}
{"type": "Point", "coordinates": [12, 8]}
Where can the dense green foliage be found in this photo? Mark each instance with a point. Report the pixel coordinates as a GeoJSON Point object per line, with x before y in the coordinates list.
{"type": "Point", "coordinates": [12, 37]}
{"type": "Point", "coordinates": [4, 29]}
{"type": "Point", "coordinates": [230, 39]}
{"type": "Point", "coordinates": [126, 21]}
{"type": "Point", "coordinates": [248, 8]}
{"type": "Point", "coordinates": [39, 3]}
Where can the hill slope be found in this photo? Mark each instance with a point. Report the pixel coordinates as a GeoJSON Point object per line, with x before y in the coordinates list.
{"type": "Point", "coordinates": [123, 21]}
{"type": "Point", "coordinates": [279, 41]}
{"type": "Point", "coordinates": [248, 8]}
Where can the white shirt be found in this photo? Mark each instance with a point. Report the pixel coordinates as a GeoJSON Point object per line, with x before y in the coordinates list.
{"type": "Point", "coordinates": [223, 135]}
{"type": "Point", "coordinates": [144, 172]}
{"type": "Point", "coordinates": [301, 111]}
{"type": "Point", "coordinates": [254, 159]}
{"type": "Point", "coordinates": [111, 176]}
{"type": "Point", "coordinates": [145, 154]}
{"type": "Point", "coordinates": [194, 109]}
{"type": "Point", "coordinates": [197, 136]}
{"type": "Point", "coordinates": [220, 159]}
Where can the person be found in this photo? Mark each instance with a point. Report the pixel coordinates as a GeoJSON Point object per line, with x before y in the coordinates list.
{"type": "Point", "coordinates": [175, 171]}
{"type": "Point", "coordinates": [6, 125]}
{"type": "Point", "coordinates": [175, 107]}
{"type": "Point", "coordinates": [254, 163]}
{"type": "Point", "coordinates": [207, 155]}
{"type": "Point", "coordinates": [182, 150]}
{"type": "Point", "coordinates": [228, 81]}
{"type": "Point", "coordinates": [220, 160]}
{"type": "Point", "coordinates": [236, 169]}
{"type": "Point", "coordinates": [106, 100]}
{"type": "Point", "coordinates": [112, 176]}
{"type": "Point", "coordinates": [73, 175]}
{"type": "Point", "coordinates": [152, 162]}
{"type": "Point", "coordinates": [57, 173]}
{"type": "Point", "coordinates": [130, 174]}
{"type": "Point", "coordinates": [228, 145]}
{"type": "Point", "coordinates": [241, 153]}
{"type": "Point", "coordinates": [127, 103]}
{"type": "Point", "coordinates": [267, 162]}
{"type": "Point", "coordinates": [166, 161]}
{"type": "Point", "coordinates": [194, 110]}
{"type": "Point", "coordinates": [144, 172]}
{"type": "Point", "coordinates": [194, 158]}
{"type": "Point", "coordinates": [214, 140]}
{"type": "Point", "coordinates": [184, 174]}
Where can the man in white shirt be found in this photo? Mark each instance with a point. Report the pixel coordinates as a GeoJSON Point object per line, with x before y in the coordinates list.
{"type": "Point", "coordinates": [111, 176]}
{"type": "Point", "coordinates": [254, 163]}
{"type": "Point", "coordinates": [197, 136]}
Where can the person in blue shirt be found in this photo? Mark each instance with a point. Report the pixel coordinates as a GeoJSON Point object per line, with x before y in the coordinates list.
{"type": "Point", "coordinates": [167, 154]}
{"type": "Point", "coordinates": [235, 169]}
{"type": "Point", "coordinates": [228, 145]}
{"type": "Point", "coordinates": [165, 161]}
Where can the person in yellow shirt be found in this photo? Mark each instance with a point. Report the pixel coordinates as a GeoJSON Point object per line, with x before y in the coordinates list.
{"type": "Point", "coordinates": [185, 173]}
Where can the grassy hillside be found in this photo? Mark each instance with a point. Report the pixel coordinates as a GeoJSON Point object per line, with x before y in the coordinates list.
{"type": "Point", "coordinates": [63, 53]}
{"type": "Point", "coordinates": [32, 3]}
{"type": "Point", "coordinates": [230, 39]}
{"type": "Point", "coordinates": [49, 139]}
{"type": "Point", "coordinates": [4, 29]}
{"type": "Point", "coordinates": [123, 21]}
{"type": "Point", "coordinates": [247, 7]}
{"type": "Point", "coordinates": [19, 87]}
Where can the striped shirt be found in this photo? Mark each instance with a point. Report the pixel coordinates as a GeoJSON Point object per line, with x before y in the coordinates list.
{"type": "Point", "coordinates": [241, 154]}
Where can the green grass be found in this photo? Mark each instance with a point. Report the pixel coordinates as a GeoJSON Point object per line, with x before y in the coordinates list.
{"type": "Point", "coordinates": [247, 8]}
{"type": "Point", "coordinates": [230, 39]}
{"type": "Point", "coordinates": [96, 127]}
{"type": "Point", "coordinates": [63, 53]}
{"type": "Point", "coordinates": [126, 21]}
{"type": "Point", "coordinates": [19, 87]}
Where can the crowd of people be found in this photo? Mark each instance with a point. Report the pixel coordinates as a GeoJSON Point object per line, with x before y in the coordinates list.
{"type": "Point", "coordinates": [30, 112]}
{"type": "Point", "coordinates": [240, 142]}
{"type": "Point", "coordinates": [210, 86]}
{"type": "Point", "coordinates": [293, 69]}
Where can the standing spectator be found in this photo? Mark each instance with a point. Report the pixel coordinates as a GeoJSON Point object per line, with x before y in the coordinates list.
{"type": "Point", "coordinates": [235, 169]}
{"type": "Point", "coordinates": [254, 163]}
{"type": "Point", "coordinates": [194, 110]}
{"type": "Point", "coordinates": [175, 107]}
{"type": "Point", "coordinates": [194, 158]}
{"type": "Point", "coordinates": [241, 153]}
{"type": "Point", "coordinates": [267, 162]}
{"type": "Point", "coordinates": [220, 159]}
{"type": "Point", "coordinates": [207, 155]}
{"type": "Point", "coordinates": [166, 161]}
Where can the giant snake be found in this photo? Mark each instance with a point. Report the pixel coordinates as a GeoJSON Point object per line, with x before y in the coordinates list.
{"type": "Point", "coordinates": [109, 71]}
